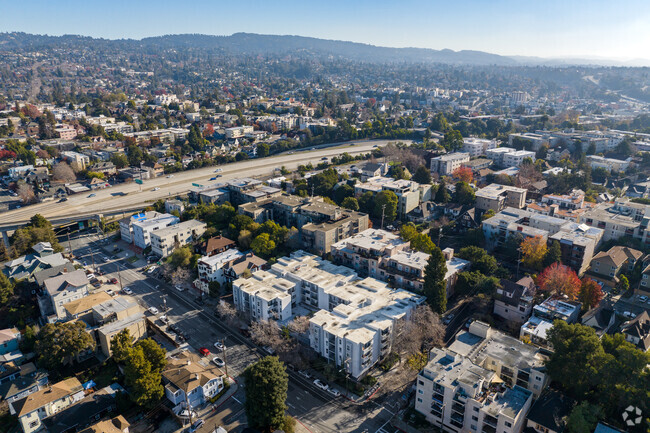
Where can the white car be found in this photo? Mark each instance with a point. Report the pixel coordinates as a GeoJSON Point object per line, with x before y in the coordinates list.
{"type": "Point", "coordinates": [219, 345]}
{"type": "Point", "coordinates": [127, 291]}
{"type": "Point", "coordinates": [219, 170]}
{"type": "Point", "coordinates": [90, 276]}
{"type": "Point", "coordinates": [321, 385]}
{"type": "Point", "coordinates": [334, 392]}
{"type": "Point", "coordinates": [164, 319]}
{"type": "Point", "coordinates": [151, 269]}
{"type": "Point", "coordinates": [155, 189]}
{"type": "Point", "coordinates": [153, 310]}
{"type": "Point", "coordinates": [110, 292]}
{"type": "Point", "coordinates": [218, 361]}
{"type": "Point", "coordinates": [179, 288]}
{"type": "Point", "coordinates": [170, 176]}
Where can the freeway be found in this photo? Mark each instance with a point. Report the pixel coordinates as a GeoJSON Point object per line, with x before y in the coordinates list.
{"type": "Point", "coordinates": [131, 196]}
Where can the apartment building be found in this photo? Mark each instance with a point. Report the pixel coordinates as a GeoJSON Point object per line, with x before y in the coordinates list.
{"type": "Point", "coordinates": [578, 242]}
{"type": "Point", "coordinates": [113, 316]}
{"type": "Point", "coordinates": [457, 395]}
{"type": "Point", "coordinates": [446, 164]}
{"type": "Point", "coordinates": [553, 308]}
{"type": "Point", "coordinates": [516, 158]}
{"type": "Point", "coordinates": [265, 296]}
{"type": "Point", "coordinates": [570, 207]}
{"type": "Point", "coordinates": [38, 406]}
{"type": "Point", "coordinates": [146, 222]}
{"type": "Point", "coordinates": [319, 237]}
{"type": "Point", "coordinates": [514, 362]}
{"type": "Point", "coordinates": [169, 135]}
{"type": "Point", "coordinates": [497, 155]}
{"type": "Point", "coordinates": [609, 164]}
{"type": "Point", "coordinates": [621, 219]}
{"type": "Point", "coordinates": [212, 268]}
{"type": "Point", "coordinates": [190, 381]}
{"type": "Point", "coordinates": [514, 300]}
{"type": "Point", "coordinates": [166, 240]}
{"type": "Point", "coordinates": [533, 141]}
{"type": "Point", "coordinates": [477, 146]}
{"type": "Point", "coordinates": [238, 131]}
{"type": "Point", "coordinates": [81, 160]}
{"type": "Point", "coordinates": [409, 194]}
{"type": "Point", "coordinates": [497, 197]}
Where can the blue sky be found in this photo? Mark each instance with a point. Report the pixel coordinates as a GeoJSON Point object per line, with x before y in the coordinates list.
{"type": "Point", "coordinates": [614, 29]}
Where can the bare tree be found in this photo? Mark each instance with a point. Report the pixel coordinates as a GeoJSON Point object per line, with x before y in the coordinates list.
{"type": "Point", "coordinates": [26, 193]}
{"type": "Point", "coordinates": [180, 276]}
{"type": "Point", "coordinates": [227, 313]}
{"type": "Point", "coordinates": [299, 324]}
{"type": "Point", "coordinates": [63, 172]}
{"type": "Point", "coordinates": [267, 333]}
{"type": "Point", "coordinates": [420, 332]}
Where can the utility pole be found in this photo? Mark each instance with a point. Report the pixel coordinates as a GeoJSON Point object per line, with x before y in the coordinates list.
{"type": "Point", "coordinates": [119, 275]}
{"type": "Point", "coordinates": [69, 245]}
{"type": "Point", "coordinates": [439, 236]}
{"type": "Point", "coordinates": [164, 303]}
{"type": "Point", "coordinates": [92, 257]}
{"type": "Point", "coordinates": [518, 261]}
{"type": "Point", "coordinates": [383, 209]}
{"type": "Point", "coordinates": [225, 360]}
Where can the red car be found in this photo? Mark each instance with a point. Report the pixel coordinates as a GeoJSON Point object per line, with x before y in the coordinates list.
{"type": "Point", "coordinates": [204, 351]}
{"type": "Point", "coordinates": [113, 280]}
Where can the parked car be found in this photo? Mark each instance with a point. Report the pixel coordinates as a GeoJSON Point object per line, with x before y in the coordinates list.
{"type": "Point", "coordinates": [127, 291]}
{"type": "Point", "coordinates": [113, 280]}
{"type": "Point", "coordinates": [320, 385]}
{"type": "Point", "coordinates": [269, 350]}
{"type": "Point", "coordinates": [334, 392]}
{"type": "Point", "coordinates": [219, 345]}
{"type": "Point", "coordinates": [447, 320]}
{"type": "Point", "coordinates": [92, 195]}
{"type": "Point", "coordinates": [179, 288]}
{"type": "Point", "coordinates": [197, 425]}
{"type": "Point", "coordinates": [110, 292]}
{"type": "Point", "coordinates": [204, 351]}
{"type": "Point", "coordinates": [468, 323]}
{"type": "Point", "coordinates": [305, 374]}
{"type": "Point", "coordinates": [151, 269]}
{"type": "Point", "coordinates": [90, 276]}
{"type": "Point", "coordinates": [153, 310]}
{"type": "Point", "coordinates": [218, 361]}
{"type": "Point", "coordinates": [156, 189]}
{"type": "Point", "coordinates": [164, 319]}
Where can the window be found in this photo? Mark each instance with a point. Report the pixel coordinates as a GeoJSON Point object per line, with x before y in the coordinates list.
{"type": "Point", "coordinates": [419, 400]}
{"type": "Point", "coordinates": [474, 418]}
{"type": "Point", "coordinates": [473, 427]}
{"type": "Point", "coordinates": [508, 424]}
{"type": "Point", "coordinates": [420, 391]}
{"type": "Point", "coordinates": [475, 409]}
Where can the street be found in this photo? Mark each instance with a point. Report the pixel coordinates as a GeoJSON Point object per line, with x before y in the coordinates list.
{"type": "Point", "coordinates": [317, 410]}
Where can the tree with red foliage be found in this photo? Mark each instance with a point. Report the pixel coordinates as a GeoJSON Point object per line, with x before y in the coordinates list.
{"type": "Point", "coordinates": [208, 131]}
{"type": "Point", "coordinates": [559, 279]}
{"type": "Point", "coordinates": [464, 174]}
{"type": "Point", "coordinates": [590, 293]}
{"type": "Point", "coordinates": [7, 154]}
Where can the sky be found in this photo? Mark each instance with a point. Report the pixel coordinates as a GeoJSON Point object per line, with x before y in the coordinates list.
{"type": "Point", "coordinates": [604, 29]}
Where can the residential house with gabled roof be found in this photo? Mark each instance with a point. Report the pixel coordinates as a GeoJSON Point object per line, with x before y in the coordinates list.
{"type": "Point", "coordinates": [214, 245]}
{"type": "Point", "coordinates": [236, 269]}
{"type": "Point", "coordinates": [119, 424]}
{"type": "Point", "coordinates": [59, 290]}
{"type": "Point", "coordinates": [514, 300]}
{"type": "Point", "coordinates": [36, 407]}
{"type": "Point", "coordinates": [28, 383]}
{"type": "Point", "coordinates": [637, 331]}
{"type": "Point", "coordinates": [606, 265]}
{"type": "Point", "coordinates": [549, 413]}
{"type": "Point", "coordinates": [24, 268]}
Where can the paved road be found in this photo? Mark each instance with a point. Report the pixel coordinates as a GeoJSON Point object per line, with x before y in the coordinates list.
{"type": "Point", "coordinates": [318, 411]}
{"type": "Point", "coordinates": [136, 196]}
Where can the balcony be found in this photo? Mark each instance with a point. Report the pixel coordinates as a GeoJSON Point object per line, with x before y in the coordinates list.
{"type": "Point", "coordinates": [490, 421]}
{"type": "Point", "coordinates": [458, 408]}
{"type": "Point", "coordinates": [488, 429]}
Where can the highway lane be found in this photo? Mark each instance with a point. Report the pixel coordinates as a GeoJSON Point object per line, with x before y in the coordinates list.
{"type": "Point", "coordinates": [136, 196]}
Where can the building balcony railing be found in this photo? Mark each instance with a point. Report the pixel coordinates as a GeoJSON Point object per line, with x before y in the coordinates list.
{"type": "Point", "coordinates": [488, 429]}
{"type": "Point", "coordinates": [490, 420]}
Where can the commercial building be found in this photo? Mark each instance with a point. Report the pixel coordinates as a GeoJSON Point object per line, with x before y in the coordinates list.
{"type": "Point", "coordinates": [457, 395]}
{"type": "Point", "coordinates": [553, 308]}
{"type": "Point", "coordinates": [497, 197]}
{"type": "Point", "coordinates": [477, 146]}
{"type": "Point", "coordinates": [166, 240]}
{"type": "Point", "coordinates": [446, 164]}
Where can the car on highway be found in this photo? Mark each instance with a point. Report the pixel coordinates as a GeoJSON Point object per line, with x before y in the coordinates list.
{"type": "Point", "coordinates": [204, 351]}
{"type": "Point", "coordinates": [92, 195]}
{"type": "Point", "coordinates": [320, 385]}
{"type": "Point", "coordinates": [155, 189]}
{"type": "Point", "coordinates": [213, 178]}
{"type": "Point", "coordinates": [127, 291]}
{"type": "Point", "coordinates": [170, 176]}
{"type": "Point", "coordinates": [218, 361]}
{"type": "Point", "coordinates": [447, 320]}
{"type": "Point", "coordinates": [63, 199]}
{"type": "Point", "coordinates": [179, 288]}
{"type": "Point", "coordinates": [113, 280]}
{"type": "Point", "coordinates": [153, 310]}
{"type": "Point", "coordinates": [335, 392]}
{"type": "Point", "coordinates": [324, 158]}
{"type": "Point", "coordinates": [219, 170]}
{"type": "Point", "coordinates": [219, 345]}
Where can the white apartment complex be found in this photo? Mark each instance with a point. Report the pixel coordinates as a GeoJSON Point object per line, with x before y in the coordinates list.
{"type": "Point", "coordinates": [509, 157]}
{"type": "Point", "coordinates": [497, 197]}
{"type": "Point", "coordinates": [166, 240]}
{"type": "Point", "coordinates": [477, 146]}
{"type": "Point", "coordinates": [211, 268]}
{"type": "Point", "coordinates": [609, 164]}
{"type": "Point", "coordinates": [446, 164]}
{"type": "Point", "coordinates": [146, 222]}
{"type": "Point", "coordinates": [409, 194]}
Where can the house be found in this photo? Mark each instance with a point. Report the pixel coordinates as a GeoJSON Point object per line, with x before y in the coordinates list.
{"type": "Point", "coordinates": [119, 424]}
{"type": "Point", "coordinates": [28, 383]}
{"type": "Point", "coordinates": [514, 301]}
{"type": "Point", "coordinates": [174, 205]}
{"type": "Point", "coordinates": [214, 245]}
{"type": "Point", "coordinates": [608, 264]}
{"type": "Point", "coordinates": [191, 380]}
{"type": "Point", "coordinates": [602, 318]}
{"type": "Point", "coordinates": [457, 395]}
{"type": "Point", "coordinates": [544, 314]}
{"type": "Point", "coordinates": [549, 413]}
{"type": "Point", "coordinates": [373, 169]}
{"type": "Point", "coordinates": [107, 168]}
{"type": "Point", "coordinates": [239, 267]}
{"type": "Point", "coordinates": [9, 339]}
{"type": "Point", "coordinates": [60, 290]}
{"type": "Point", "coordinates": [637, 331]}
{"type": "Point", "coordinates": [211, 268]}
{"type": "Point", "coordinates": [24, 267]}
{"type": "Point", "coordinates": [38, 406]}
{"type": "Point", "coordinates": [155, 169]}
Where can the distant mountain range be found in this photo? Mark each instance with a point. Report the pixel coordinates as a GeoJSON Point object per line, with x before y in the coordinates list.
{"type": "Point", "coordinates": [251, 43]}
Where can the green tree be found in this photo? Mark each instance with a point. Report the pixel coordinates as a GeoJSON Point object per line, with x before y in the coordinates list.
{"type": "Point", "coordinates": [263, 150]}
{"type": "Point", "coordinates": [154, 353]}
{"type": "Point", "coordinates": [624, 283]}
{"type": "Point", "coordinates": [119, 160]}
{"type": "Point", "coordinates": [266, 385]}
{"type": "Point", "coordinates": [60, 343]}
{"type": "Point", "coordinates": [442, 194]}
{"type": "Point", "coordinates": [180, 258]}
{"type": "Point", "coordinates": [453, 140]}
{"type": "Point", "coordinates": [408, 231]}
{"type": "Point", "coordinates": [350, 203]}
{"type": "Point", "coordinates": [366, 202]}
{"type": "Point", "coordinates": [464, 193]}
{"type": "Point", "coordinates": [121, 345]}
{"type": "Point", "coordinates": [583, 418]}
{"type": "Point", "coordinates": [134, 155]}
{"type": "Point", "coordinates": [342, 192]}
{"type": "Point", "coordinates": [263, 245]}
{"type": "Point", "coordinates": [553, 254]}
{"type": "Point", "coordinates": [423, 243]}
{"type": "Point", "coordinates": [422, 175]}
{"type": "Point", "coordinates": [6, 289]}
{"type": "Point", "coordinates": [144, 382]}
{"type": "Point", "coordinates": [577, 357]}
{"type": "Point", "coordinates": [435, 286]}
{"type": "Point", "coordinates": [390, 200]}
